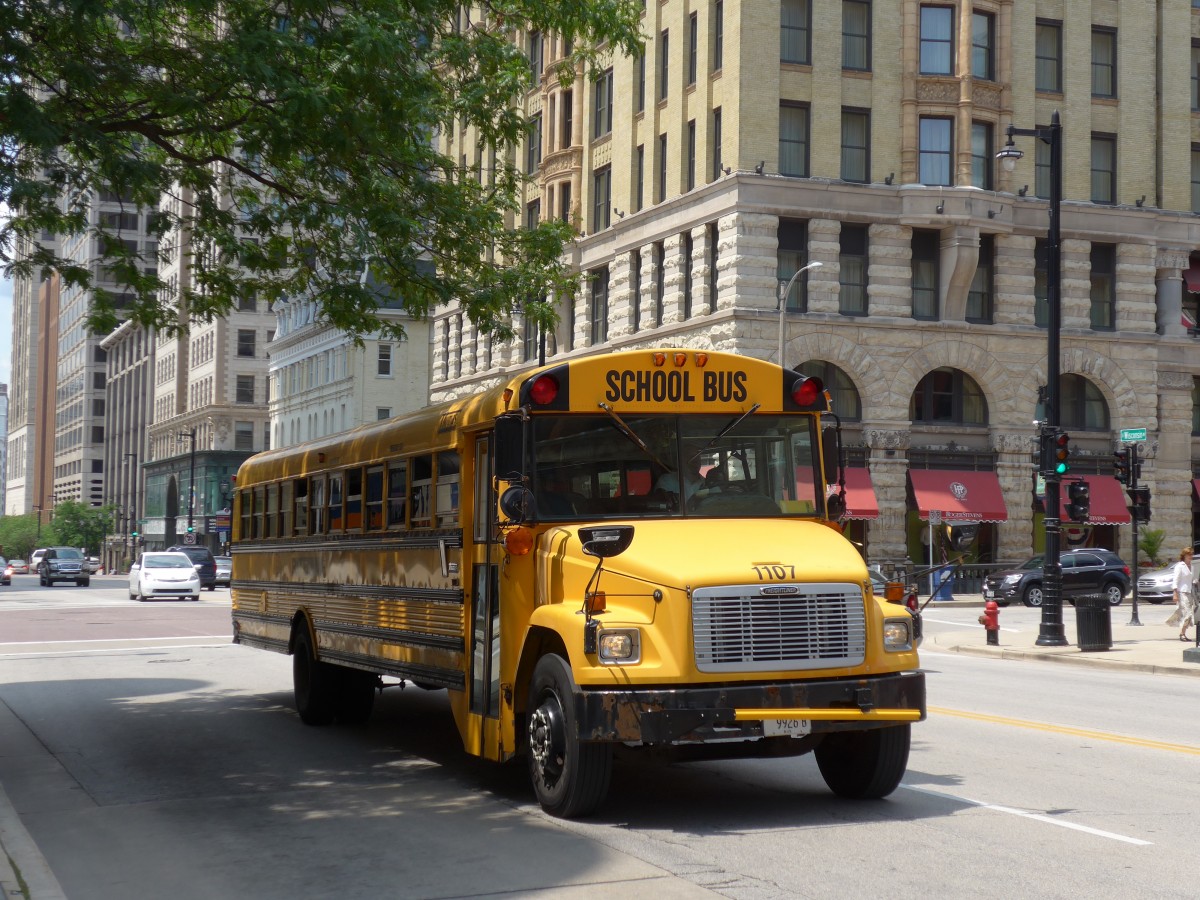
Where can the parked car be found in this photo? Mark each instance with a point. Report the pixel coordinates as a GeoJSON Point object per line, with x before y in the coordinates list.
{"type": "Point", "coordinates": [1157, 586]}
{"type": "Point", "coordinates": [1085, 571]}
{"type": "Point", "coordinates": [164, 574]}
{"type": "Point", "coordinates": [63, 564]}
{"type": "Point", "coordinates": [35, 558]}
{"type": "Point", "coordinates": [93, 564]}
{"type": "Point", "coordinates": [18, 566]}
{"type": "Point", "coordinates": [5, 571]}
{"type": "Point", "coordinates": [206, 564]}
{"type": "Point", "coordinates": [224, 568]}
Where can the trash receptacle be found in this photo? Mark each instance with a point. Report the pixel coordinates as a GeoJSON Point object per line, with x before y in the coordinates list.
{"type": "Point", "coordinates": [1093, 623]}
{"type": "Point", "coordinates": [943, 584]}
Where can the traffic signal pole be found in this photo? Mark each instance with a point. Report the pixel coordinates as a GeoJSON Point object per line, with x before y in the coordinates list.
{"type": "Point", "coordinates": [1133, 476]}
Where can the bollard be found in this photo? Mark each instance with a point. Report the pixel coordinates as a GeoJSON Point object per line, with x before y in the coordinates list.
{"type": "Point", "coordinates": [990, 620]}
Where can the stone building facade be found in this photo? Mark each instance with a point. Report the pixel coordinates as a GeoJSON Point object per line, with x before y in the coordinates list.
{"type": "Point", "coordinates": [758, 136]}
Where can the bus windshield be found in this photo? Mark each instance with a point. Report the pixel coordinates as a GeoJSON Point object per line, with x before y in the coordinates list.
{"type": "Point", "coordinates": [611, 466]}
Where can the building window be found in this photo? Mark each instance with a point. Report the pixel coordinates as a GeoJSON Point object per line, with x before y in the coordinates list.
{"type": "Point", "coordinates": [981, 297]}
{"type": "Point", "coordinates": [382, 413]}
{"type": "Point", "coordinates": [856, 35]}
{"type": "Point", "coordinates": [1104, 62]}
{"type": "Point", "coordinates": [383, 362]}
{"type": "Point", "coordinates": [718, 34]}
{"type": "Point", "coordinates": [529, 337]}
{"type": "Point", "coordinates": [852, 301]}
{"type": "Point", "coordinates": [639, 176]}
{"type": "Point", "coordinates": [599, 305]}
{"type": "Point", "coordinates": [639, 95]}
{"type": "Point", "coordinates": [983, 42]}
{"type": "Point", "coordinates": [662, 168]}
{"type": "Point", "coordinates": [793, 139]}
{"type": "Point", "coordinates": [1196, 178]}
{"type": "Point", "coordinates": [718, 162]}
{"type": "Point", "coordinates": [602, 108]}
{"type": "Point", "coordinates": [245, 342]}
{"type": "Point", "coordinates": [1083, 406]}
{"type": "Point", "coordinates": [1104, 287]}
{"type": "Point", "coordinates": [664, 68]}
{"type": "Point", "coordinates": [1104, 168]}
{"type": "Point", "coordinates": [795, 32]}
{"type": "Point", "coordinates": [564, 201]}
{"type": "Point", "coordinates": [693, 60]}
{"type": "Point", "coordinates": [1195, 76]}
{"type": "Point", "coordinates": [713, 258]}
{"type": "Point", "coordinates": [243, 435]}
{"type": "Point", "coordinates": [535, 55]}
{"type": "Point", "coordinates": [847, 404]}
{"type": "Point", "coordinates": [793, 255]}
{"type": "Point", "coordinates": [926, 249]}
{"type": "Point", "coordinates": [533, 148]}
{"type": "Point", "coordinates": [568, 119]}
{"type": "Point", "coordinates": [948, 397]}
{"type": "Point", "coordinates": [937, 149]}
{"type": "Point", "coordinates": [248, 303]}
{"type": "Point", "coordinates": [981, 155]}
{"type": "Point", "coordinates": [533, 213]}
{"type": "Point", "coordinates": [691, 159]}
{"type": "Point", "coordinates": [856, 138]}
{"type": "Point", "coordinates": [601, 198]}
{"type": "Point", "coordinates": [1041, 282]}
{"type": "Point", "coordinates": [1048, 53]}
{"type": "Point", "coordinates": [937, 40]}
{"type": "Point", "coordinates": [245, 389]}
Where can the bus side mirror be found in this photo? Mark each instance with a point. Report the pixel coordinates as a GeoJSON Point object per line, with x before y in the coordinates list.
{"type": "Point", "coordinates": [611, 540]}
{"type": "Point", "coordinates": [835, 507]}
{"type": "Point", "coordinates": [509, 438]}
{"type": "Point", "coordinates": [831, 457]}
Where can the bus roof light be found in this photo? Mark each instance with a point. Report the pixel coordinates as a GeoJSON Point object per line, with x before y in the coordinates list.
{"type": "Point", "coordinates": [701, 360]}
{"type": "Point", "coordinates": [680, 360]}
{"type": "Point", "coordinates": [806, 391]}
{"type": "Point", "coordinates": [660, 359]}
{"type": "Point", "coordinates": [543, 390]}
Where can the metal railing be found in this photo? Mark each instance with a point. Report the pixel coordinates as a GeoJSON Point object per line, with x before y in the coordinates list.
{"type": "Point", "coordinates": [965, 578]}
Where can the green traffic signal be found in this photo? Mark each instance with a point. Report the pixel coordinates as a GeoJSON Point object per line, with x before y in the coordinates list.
{"type": "Point", "coordinates": [1062, 453]}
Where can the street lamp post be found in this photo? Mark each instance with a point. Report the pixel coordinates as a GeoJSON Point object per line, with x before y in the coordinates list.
{"type": "Point", "coordinates": [134, 518]}
{"type": "Point", "coordinates": [783, 295]}
{"type": "Point", "coordinates": [1051, 633]}
{"type": "Point", "coordinates": [191, 435]}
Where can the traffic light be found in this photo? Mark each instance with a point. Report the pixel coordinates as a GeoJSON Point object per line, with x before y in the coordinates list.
{"type": "Point", "coordinates": [190, 529]}
{"type": "Point", "coordinates": [1121, 467]}
{"type": "Point", "coordinates": [1062, 453]}
{"type": "Point", "coordinates": [1141, 503]}
{"type": "Point", "coordinates": [1079, 497]}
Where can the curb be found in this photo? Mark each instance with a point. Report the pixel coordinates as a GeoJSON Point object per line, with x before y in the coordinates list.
{"type": "Point", "coordinates": [1071, 658]}
{"type": "Point", "coordinates": [35, 880]}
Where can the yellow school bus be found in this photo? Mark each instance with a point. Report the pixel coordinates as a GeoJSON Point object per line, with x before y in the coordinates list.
{"type": "Point", "coordinates": [639, 549]}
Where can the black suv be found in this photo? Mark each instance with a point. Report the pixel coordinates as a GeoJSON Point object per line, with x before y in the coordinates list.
{"type": "Point", "coordinates": [205, 563]}
{"type": "Point", "coordinates": [1085, 572]}
{"type": "Point", "coordinates": [63, 564]}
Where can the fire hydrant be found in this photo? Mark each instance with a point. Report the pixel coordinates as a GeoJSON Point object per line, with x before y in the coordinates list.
{"type": "Point", "coordinates": [990, 620]}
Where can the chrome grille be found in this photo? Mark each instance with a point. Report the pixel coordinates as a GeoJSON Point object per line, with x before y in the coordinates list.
{"type": "Point", "coordinates": [755, 628]}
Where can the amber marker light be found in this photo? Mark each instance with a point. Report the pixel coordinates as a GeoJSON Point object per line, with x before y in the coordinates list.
{"type": "Point", "coordinates": [518, 541]}
{"type": "Point", "coordinates": [701, 360]}
{"type": "Point", "coordinates": [660, 359]}
{"type": "Point", "coordinates": [597, 602]}
{"type": "Point", "coordinates": [680, 360]}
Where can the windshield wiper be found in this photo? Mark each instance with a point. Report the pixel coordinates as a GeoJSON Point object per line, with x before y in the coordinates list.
{"type": "Point", "coordinates": [724, 431]}
{"type": "Point", "coordinates": [632, 435]}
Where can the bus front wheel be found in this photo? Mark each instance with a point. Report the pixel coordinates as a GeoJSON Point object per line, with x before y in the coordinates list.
{"type": "Point", "coordinates": [313, 682]}
{"type": "Point", "coordinates": [570, 777]}
{"type": "Point", "coordinates": [864, 765]}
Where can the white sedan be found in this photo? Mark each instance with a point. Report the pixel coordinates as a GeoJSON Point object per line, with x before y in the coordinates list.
{"type": "Point", "coordinates": [163, 574]}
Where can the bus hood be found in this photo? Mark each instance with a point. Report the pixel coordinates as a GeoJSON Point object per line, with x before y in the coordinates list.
{"type": "Point", "coordinates": [700, 552]}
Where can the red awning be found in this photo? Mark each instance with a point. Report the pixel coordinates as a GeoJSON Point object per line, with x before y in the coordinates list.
{"type": "Point", "coordinates": [1196, 486]}
{"type": "Point", "coordinates": [1106, 504]}
{"type": "Point", "coordinates": [959, 496]}
{"type": "Point", "coordinates": [1191, 278]}
{"type": "Point", "coordinates": [860, 495]}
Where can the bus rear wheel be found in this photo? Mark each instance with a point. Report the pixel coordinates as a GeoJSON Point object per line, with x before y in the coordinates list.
{"type": "Point", "coordinates": [314, 683]}
{"type": "Point", "coordinates": [355, 695]}
{"type": "Point", "coordinates": [864, 765]}
{"type": "Point", "coordinates": [570, 777]}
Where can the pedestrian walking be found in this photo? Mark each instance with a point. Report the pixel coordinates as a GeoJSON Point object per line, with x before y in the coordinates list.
{"type": "Point", "coordinates": [1185, 600]}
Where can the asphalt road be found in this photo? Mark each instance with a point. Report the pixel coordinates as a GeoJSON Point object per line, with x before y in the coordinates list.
{"type": "Point", "coordinates": [167, 762]}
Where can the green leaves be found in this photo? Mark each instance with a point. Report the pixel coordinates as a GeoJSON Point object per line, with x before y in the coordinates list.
{"type": "Point", "coordinates": [291, 143]}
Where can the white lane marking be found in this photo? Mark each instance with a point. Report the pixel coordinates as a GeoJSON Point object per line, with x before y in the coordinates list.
{"type": "Point", "coordinates": [1049, 820]}
{"type": "Point", "coordinates": [967, 624]}
{"type": "Point", "coordinates": [181, 637]}
{"type": "Point", "coordinates": [132, 649]}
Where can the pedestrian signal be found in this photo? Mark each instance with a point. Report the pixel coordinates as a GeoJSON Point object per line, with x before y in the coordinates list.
{"type": "Point", "coordinates": [1079, 496]}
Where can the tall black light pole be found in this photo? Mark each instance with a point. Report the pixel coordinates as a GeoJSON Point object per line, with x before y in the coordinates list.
{"type": "Point", "coordinates": [134, 518]}
{"type": "Point", "coordinates": [1051, 633]}
{"type": "Point", "coordinates": [191, 435]}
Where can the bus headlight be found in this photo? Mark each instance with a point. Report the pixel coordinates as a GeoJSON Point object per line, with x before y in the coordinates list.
{"type": "Point", "coordinates": [619, 647]}
{"type": "Point", "coordinates": [897, 635]}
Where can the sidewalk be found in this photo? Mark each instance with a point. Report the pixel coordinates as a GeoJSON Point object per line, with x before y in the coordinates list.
{"type": "Point", "coordinates": [1149, 647]}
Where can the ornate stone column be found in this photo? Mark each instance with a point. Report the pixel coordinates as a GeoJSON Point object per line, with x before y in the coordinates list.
{"type": "Point", "coordinates": [888, 461]}
{"type": "Point", "coordinates": [1168, 283]}
{"type": "Point", "coordinates": [1167, 471]}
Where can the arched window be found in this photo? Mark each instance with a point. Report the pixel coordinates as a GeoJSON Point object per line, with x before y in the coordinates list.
{"type": "Point", "coordinates": [846, 402]}
{"type": "Point", "coordinates": [948, 397]}
{"type": "Point", "coordinates": [1083, 406]}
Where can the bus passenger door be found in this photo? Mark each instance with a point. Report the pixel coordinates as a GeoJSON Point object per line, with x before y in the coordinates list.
{"type": "Point", "coordinates": [485, 609]}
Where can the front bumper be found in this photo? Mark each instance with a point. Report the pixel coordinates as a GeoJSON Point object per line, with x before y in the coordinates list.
{"type": "Point", "coordinates": [736, 711]}
{"type": "Point", "coordinates": [1002, 593]}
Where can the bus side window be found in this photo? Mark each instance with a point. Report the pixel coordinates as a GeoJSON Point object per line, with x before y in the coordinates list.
{"type": "Point", "coordinates": [447, 488]}
{"type": "Point", "coordinates": [317, 502]}
{"type": "Point", "coordinates": [244, 509]}
{"type": "Point", "coordinates": [375, 498]}
{"type": "Point", "coordinates": [397, 493]}
{"type": "Point", "coordinates": [272, 518]}
{"type": "Point", "coordinates": [354, 520]}
{"type": "Point", "coordinates": [422, 487]}
{"type": "Point", "coordinates": [301, 506]}
{"type": "Point", "coordinates": [256, 523]}
{"type": "Point", "coordinates": [285, 510]}
{"type": "Point", "coordinates": [336, 522]}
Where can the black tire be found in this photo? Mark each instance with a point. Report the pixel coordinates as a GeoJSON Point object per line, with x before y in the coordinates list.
{"type": "Point", "coordinates": [82, 582]}
{"type": "Point", "coordinates": [1033, 596]}
{"type": "Point", "coordinates": [355, 695]}
{"type": "Point", "coordinates": [570, 777]}
{"type": "Point", "coordinates": [314, 683]}
{"type": "Point", "coordinates": [194, 597]}
{"type": "Point", "coordinates": [1114, 593]}
{"type": "Point", "coordinates": [864, 765]}
{"type": "Point", "coordinates": [133, 596]}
